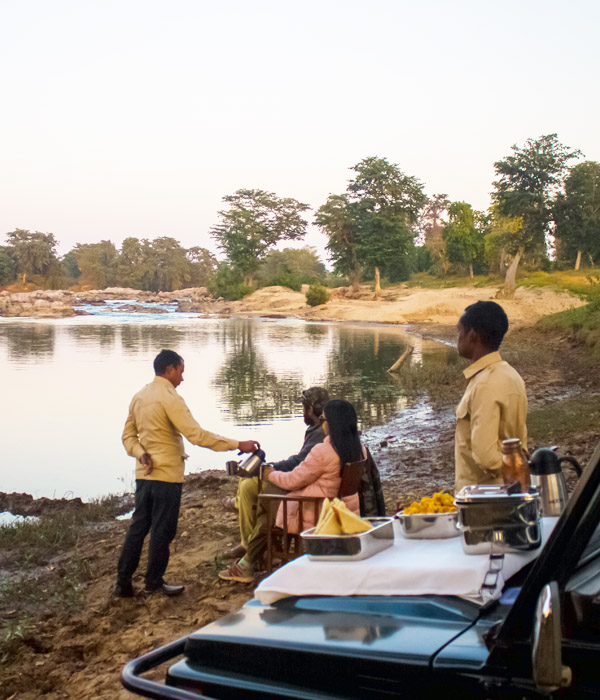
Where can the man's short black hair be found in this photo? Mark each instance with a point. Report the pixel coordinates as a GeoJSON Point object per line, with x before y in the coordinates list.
{"type": "Point", "coordinates": [488, 320]}
{"type": "Point", "coordinates": [316, 397]}
{"type": "Point", "coordinates": [164, 359]}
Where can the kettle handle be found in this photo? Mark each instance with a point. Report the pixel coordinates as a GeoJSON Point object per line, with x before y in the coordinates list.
{"type": "Point", "coordinates": [573, 462]}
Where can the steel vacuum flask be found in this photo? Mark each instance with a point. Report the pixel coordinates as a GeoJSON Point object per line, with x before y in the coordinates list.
{"type": "Point", "coordinates": [546, 474]}
{"type": "Point", "coordinates": [251, 465]}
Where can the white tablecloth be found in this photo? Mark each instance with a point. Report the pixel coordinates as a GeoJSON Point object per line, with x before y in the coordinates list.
{"type": "Point", "coordinates": [409, 567]}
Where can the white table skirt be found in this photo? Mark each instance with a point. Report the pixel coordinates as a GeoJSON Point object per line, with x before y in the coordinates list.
{"type": "Point", "coordinates": [409, 567]}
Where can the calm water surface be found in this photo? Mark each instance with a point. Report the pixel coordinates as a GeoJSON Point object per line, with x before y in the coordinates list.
{"type": "Point", "coordinates": [66, 387]}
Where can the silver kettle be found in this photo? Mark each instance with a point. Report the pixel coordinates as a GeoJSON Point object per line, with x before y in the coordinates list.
{"type": "Point", "coordinates": [546, 474]}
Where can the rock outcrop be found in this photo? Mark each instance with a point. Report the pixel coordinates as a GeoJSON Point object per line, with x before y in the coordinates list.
{"type": "Point", "coordinates": [52, 303]}
{"type": "Point", "coordinates": [39, 304]}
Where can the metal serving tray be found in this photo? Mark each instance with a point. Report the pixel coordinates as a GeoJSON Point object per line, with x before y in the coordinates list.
{"type": "Point", "coordinates": [429, 526]}
{"type": "Point", "coordinates": [487, 509]}
{"type": "Point", "coordinates": [350, 547]}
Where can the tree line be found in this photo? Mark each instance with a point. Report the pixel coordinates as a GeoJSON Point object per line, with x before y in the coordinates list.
{"type": "Point", "coordinates": [383, 225]}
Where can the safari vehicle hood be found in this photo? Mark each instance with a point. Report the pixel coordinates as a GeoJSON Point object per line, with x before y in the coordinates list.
{"type": "Point", "coordinates": [319, 641]}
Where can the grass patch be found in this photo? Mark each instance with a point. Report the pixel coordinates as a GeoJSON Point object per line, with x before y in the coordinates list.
{"type": "Point", "coordinates": [582, 283]}
{"type": "Point", "coordinates": [34, 543]}
{"type": "Point", "coordinates": [442, 381]}
{"type": "Point", "coordinates": [558, 422]}
{"type": "Point", "coordinates": [50, 572]}
{"type": "Point", "coordinates": [581, 325]}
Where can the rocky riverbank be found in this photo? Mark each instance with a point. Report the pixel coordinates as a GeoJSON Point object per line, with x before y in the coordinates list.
{"type": "Point", "coordinates": [397, 305]}
{"type": "Point", "coordinates": [62, 303]}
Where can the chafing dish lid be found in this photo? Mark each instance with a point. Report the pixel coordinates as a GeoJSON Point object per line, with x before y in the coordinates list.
{"type": "Point", "coordinates": [492, 493]}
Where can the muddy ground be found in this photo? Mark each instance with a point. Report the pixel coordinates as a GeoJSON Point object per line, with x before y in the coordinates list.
{"type": "Point", "coordinates": [79, 654]}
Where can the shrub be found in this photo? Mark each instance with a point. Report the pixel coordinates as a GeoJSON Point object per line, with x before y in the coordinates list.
{"type": "Point", "coordinates": [227, 284]}
{"type": "Point", "coordinates": [284, 279]}
{"type": "Point", "coordinates": [316, 295]}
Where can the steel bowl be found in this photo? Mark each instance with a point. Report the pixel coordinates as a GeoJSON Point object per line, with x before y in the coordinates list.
{"type": "Point", "coordinates": [429, 526]}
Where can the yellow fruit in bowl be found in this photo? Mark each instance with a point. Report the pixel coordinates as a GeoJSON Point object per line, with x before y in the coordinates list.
{"type": "Point", "coordinates": [438, 503]}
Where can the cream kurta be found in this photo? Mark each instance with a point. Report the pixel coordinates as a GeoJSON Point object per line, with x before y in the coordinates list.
{"type": "Point", "coordinates": [158, 417]}
{"type": "Point", "coordinates": [492, 409]}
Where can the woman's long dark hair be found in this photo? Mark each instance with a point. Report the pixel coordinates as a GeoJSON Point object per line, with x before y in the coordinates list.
{"type": "Point", "coordinates": [343, 430]}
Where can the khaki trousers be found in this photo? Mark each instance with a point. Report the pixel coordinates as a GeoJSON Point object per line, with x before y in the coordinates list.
{"type": "Point", "coordinates": [252, 515]}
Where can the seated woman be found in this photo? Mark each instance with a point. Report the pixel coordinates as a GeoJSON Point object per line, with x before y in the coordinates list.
{"type": "Point", "coordinates": [320, 473]}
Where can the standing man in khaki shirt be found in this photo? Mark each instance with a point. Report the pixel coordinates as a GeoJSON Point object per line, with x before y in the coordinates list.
{"type": "Point", "coordinates": [158, 417]}
{"type": "Point", "coordinates": [494, 405]}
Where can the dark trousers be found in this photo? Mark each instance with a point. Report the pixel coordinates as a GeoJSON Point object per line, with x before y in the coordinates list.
{"type": "Point", "coordinates": [156, 511]}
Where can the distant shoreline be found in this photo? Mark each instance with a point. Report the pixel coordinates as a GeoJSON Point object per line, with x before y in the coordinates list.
{"type": "Point", "coordinates": [398, 305]}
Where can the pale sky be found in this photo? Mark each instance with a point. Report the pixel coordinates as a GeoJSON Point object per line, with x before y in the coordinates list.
{"type": "Point", "coordinates": [134, 117]}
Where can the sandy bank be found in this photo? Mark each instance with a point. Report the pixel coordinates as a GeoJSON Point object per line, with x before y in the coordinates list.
{"type": "Point", "coordinates": [401, 304]}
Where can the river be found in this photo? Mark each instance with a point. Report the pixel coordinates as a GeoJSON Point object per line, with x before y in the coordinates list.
{"type": "Point", "coordinates": [67, 384]}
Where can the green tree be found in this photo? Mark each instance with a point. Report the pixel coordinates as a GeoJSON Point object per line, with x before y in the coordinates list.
{"type": "Point", "coordinates": [291, 267]}
{"type": "Point", "coordinates": [463, 238]}
{"type": "Point", "coordinates": [98, 263]}
{"type": "Point", "coordinates": [577, 214]}
{"type": "Point", "coordinates": [255, 222]}
{"type": "Point", "coordinates": [170, 265]}
{"type": "Point", "coordinates": [527, 182]}
{"type": "Point", "coordinates": [432, 227]}
{"type": "Point", "coordinates": [203, 266]}
{"type": "Point", "coordinates": [70, 267]}
{"type": "Point", "coordinates": [372, 227]}
{"type": "Point", "coordinates": [338, 219]}
{"type": "Point", "coordinates": [389, 204]}
{"type": "Point", "coordinates": [228, 284]}
{"type": "Point", "coordinates": [135, 267]}
{"type": "Point", "coordinates": [8, 265]}
{"type": "Point", "coordinates": [34, 252]}
{"type": "Point", "coordinates": [501, 232]}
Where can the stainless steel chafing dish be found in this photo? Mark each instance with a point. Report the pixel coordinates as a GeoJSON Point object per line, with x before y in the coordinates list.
{"type": "Point", "coordinates": [350, 547]}
{"type": "Point", "coordinates": [489, 513]}
{"type": "Point", "coordinates": [428, 526]}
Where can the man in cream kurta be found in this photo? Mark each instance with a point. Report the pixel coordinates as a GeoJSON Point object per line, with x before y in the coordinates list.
{"type": "Point", "coordinates": [158, 417]}
{"type": "Point", "coordinates": [494, 405]}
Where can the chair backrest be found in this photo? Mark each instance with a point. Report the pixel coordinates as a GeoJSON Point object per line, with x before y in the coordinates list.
{"type": "Point", "coordinates": [351, 477]}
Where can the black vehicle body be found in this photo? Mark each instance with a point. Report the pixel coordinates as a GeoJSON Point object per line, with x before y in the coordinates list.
{"type": "Point", "coordinates": [540, 639]}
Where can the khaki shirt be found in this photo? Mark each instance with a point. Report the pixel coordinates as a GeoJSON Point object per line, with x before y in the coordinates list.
{"type": "Point", "coordinates": [492, 409]}
{"type": "Point", "coordinates": [157, 419]}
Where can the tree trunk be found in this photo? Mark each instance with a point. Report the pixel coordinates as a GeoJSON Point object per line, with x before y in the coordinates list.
{"type": "Point", "coordinates": [24, 277]}
{"type": "Point", "coordinates": [578, 261]}
{"type": "Point", "coordinates": [470, 270]}
{"type": "Point", "coordinates": [502, 260]}
{"type": "Point", "coordinates": [510, 281]}
{"type": "Point", "coordinates": [355, 280]}
{"type": "Point", "coordinates": [377, 283]}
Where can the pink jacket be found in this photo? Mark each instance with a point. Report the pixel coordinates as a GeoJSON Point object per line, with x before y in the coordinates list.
{"type": "Point", "coordinates": [318, 475]}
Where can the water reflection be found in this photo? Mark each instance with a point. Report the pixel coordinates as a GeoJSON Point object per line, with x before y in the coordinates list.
{"type": "Point", "coordinates": [23, 342]}
{"type": "Point", "coordinates": [357, 371]}
{"type": "Point", "coordinates": [252, 392]}
{"type": "Point", "coordinates": [243, 379]}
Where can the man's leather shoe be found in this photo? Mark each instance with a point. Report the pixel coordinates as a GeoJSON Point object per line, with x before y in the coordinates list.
{"type": "Point", "coordinates": [123, 591]}
{"type": "Point", "coordinates": [165, 589]}
{"type": "Point", "coordinates": [235, 552]}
